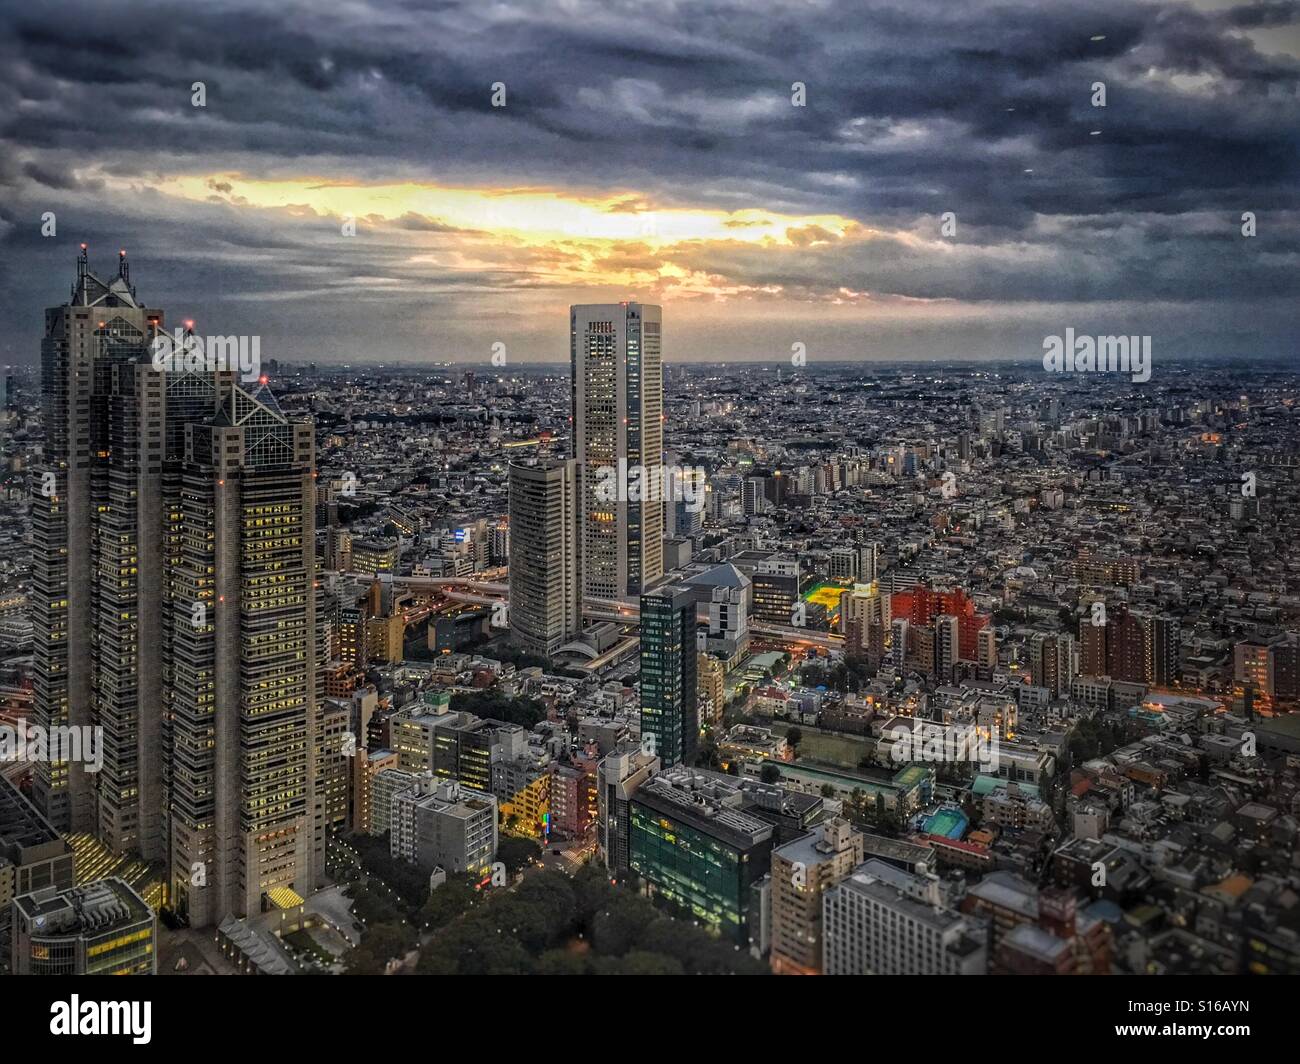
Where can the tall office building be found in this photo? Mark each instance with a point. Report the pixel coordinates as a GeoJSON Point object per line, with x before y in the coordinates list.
{"type": "Point", "coordinates": [115, 433]}
{"type": "Point", "coordinates": [711, 678]}
{"type": "Point", "coordinates": [1127, 639]}
{"type": "Point", "coordinates": [844, 563]}
{"type": "Point", "coordinates": [101, 326]}
{"type": "Point", "coordinates": [921, 605]}
{"type": "Point", "coordinates": [684, 517]}
{"type": "Point", "coordinates": [868, 562]}
{"type": "Point", "coordinates": [545, 584]}
{"type": "Point", "coordinates": [617, 389]}
{"type": "Point", "coordinates": [901, 629]}
{"type": "Point", "coordinates": [776, 588]}
{"type": "Point", "coordinates": [1092, 647]}
{"type": "Point", "coordinates": [1268, 667]}
{"type": "Point", "coordinates": [241, 663]}
{"type": "Point", "coordinates": [441, 824]}
{"type": "Point", "coordinates": [669, 682]}
{"type": "Point", "coordinates": [987, 644]}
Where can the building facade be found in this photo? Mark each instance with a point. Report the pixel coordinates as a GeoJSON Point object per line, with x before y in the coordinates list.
{"type": "Point", "coordinates": [545, 583]}
{"type": "Point", "coordinates": [241, 662]}
{"type": "Point", "coordinates": [669, 684]}
{"type": "Point", "coordinates": [698, 852]}
{"type": "Point", "coordinates": [102, 928]}
{"type": "Point", "coordinates": [617, 385]}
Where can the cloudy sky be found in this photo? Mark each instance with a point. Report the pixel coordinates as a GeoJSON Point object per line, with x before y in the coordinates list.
{"type": "Point", "coordinates": [653, 151]}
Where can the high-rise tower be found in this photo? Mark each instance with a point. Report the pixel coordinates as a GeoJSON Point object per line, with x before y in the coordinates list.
{"type": "Point", "coordinates": [242, 661]}
{"type": "Point", "coordinates": [96, 582]}
{"type": "Point", "coordinates": [618, 439]}
{"type": "Point", "coordinates": [545, 584]}
{"type": "Point", "coordinates": [669, 677]}
{"type": "Point", "coordinates": [174, 608]}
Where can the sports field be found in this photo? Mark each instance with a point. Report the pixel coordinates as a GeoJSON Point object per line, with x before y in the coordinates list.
{"type": "Point", "coordinates": [826, 593]}
{"type": "Point", "coordinates": [947, 822]}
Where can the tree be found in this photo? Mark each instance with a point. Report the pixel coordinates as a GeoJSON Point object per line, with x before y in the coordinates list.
{"type": "Point", "coordinates": [475, 945]}
{"type": "Point", "coordinates": [814, 676]}
{"type": "Point", "coordinates": [525, 712]}
{"type": "Point", "coordinates": [537, 928]}
{"type": "Point", "coordinates": [707, 755]}
{"type": "Point", "coordinates": [617, 927]}
{"type": "Point", "coordinates": [515, 853]}
{"type": "Point", "coordinates": [638, 962]}
{"type": "Point", "coordinates": [554, 890]}
{"type": "Point", "coordinates": [452, 899]}
{"type": "Point", "coordinates": [769, 773]}
{"type": "Point", "coordinates": [380, 944]}
{"type": "Point", "coordinates": [793, 738]}
{"type": "Point", "coordinates": [561, 962]}
{"type": "Point", "coordinates": [361, 961]}
{"type": "Point", "coordinates": [437, 961]}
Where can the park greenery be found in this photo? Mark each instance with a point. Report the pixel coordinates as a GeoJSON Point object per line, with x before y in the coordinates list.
{"type": "Point", "coordinates": [553, 924]}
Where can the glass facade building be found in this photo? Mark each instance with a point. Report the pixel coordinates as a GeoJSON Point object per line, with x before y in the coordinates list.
{"type": "Point", "coordinates": [699, 855]}
{"type": "Point", "coordinates": [669, 695]}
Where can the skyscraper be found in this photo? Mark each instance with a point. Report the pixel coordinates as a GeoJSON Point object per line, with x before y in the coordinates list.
{"type": "Point", "coordinates": [174, 608]}
{"type": "Point", "coordinates": [545, 584]}
{"type": "Point", "coordinates": [114, 428]}
{"type": "Point", "coordinates": [617, 385]}
{"type": "Point", "coordinates": [669, 682]}
{"type": "Point", "coordinates": [242, 662]}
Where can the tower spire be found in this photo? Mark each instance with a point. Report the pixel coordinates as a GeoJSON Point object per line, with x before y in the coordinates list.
{"type": "Point", "coordinates": [83, 268]}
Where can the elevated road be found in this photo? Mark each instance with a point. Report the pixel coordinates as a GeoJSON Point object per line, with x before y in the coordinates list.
{"type": "Point", "coordinates": [620, 611]}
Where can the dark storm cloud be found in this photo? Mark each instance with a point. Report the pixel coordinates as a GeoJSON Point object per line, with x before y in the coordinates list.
{"type": "Point", "coordinates": [913, 109]}
{"type": "Point", "coordinates": [1264, 13]}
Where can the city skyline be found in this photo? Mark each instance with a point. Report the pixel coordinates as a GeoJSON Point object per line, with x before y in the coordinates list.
{"type": "Point", "coordinates": [614, 489]}
{"type": "Point", "coordinates": [897, 638]}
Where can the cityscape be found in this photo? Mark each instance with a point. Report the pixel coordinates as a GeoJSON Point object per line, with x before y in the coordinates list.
{"type": "Point", "coordinates": [568, 641]}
